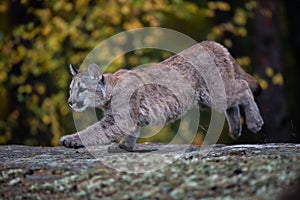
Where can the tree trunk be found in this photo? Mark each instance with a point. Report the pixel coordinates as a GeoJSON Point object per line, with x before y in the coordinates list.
{"type": "Point", "coordinates": [293, 49]}
{"type": "Point", "coordinates": [267, 65]}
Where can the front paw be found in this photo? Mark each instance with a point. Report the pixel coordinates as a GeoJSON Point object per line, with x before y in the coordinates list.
{"type": "Point", "coordinates": [71, 141]}
{"type": "Point", "coordinates": [236, 133]}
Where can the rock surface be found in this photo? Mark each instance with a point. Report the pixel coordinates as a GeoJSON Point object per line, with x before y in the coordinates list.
{"type": "Point", "coordinates": [174, 172]}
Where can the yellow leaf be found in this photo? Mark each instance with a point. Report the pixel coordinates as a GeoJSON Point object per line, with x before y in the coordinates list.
{"type": "Point", "coordinates": [212, 5]}
{"type": "Point", "coordinates": [250, 5]}
{"type": "Point", "coordinates": [217, 31]}
{"type": "Point", "coordinates": [28, 89]}
{"type": "Point", "coordinates": [244, 61]}
{"type": "Point", "coordinates": [125, 10]}
{"type": "Point", "coordinates": [35, 99]}
{"type": "Point", "coordinates": [269, 72]}
{"type": "Point", "coordinates": [68, 7]}
{"type": "Point", "coordinates": [41, 89]}
{"type": "Point", "coordinates": [4, 7]}
{"type": "Point", "coordinates": [241, 31]}
{"type": "Point", "coordinates": [224, 6]}
{"type": "Point", "coordinates": [264, 84]}
{"type": "Point", "coordinates": [3, 76]}
{"type": "Point", "coordinates": [278, 79]}
{"type": "Point", "coordinates": [210, 13]}
{"type": "Point", "coordinates": [220, 5]}
{"type": "Point", "coordinates": [227, 43]}
{"type": "Point", "coordinates": [46, 30]}
{"type": "Point", "coordinates": [240, 17]}
{"type": "Point", "coordinates": [133, 24]}
{"type": "Point", "coordinates": [46, 119]}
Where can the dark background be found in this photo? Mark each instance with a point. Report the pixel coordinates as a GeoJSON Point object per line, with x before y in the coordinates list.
{"type": "Point", "coordinates": [39, 39]}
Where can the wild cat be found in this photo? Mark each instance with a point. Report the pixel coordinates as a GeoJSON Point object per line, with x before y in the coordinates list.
{"type": "Point", "coordinates": [154, 103]}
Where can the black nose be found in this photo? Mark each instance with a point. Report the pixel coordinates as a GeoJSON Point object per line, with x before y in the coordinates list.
{"type": "Point", "coordinates": [70, 103]}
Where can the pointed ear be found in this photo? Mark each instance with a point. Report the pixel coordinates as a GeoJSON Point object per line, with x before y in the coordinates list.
{"type": "Point", "coordinates": [73, 70]}
{"type": "Point", "coordinates": [95, 72]}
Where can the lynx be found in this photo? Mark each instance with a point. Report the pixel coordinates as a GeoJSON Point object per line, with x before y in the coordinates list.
{"type": "Point", "coordinates": [152, 103]}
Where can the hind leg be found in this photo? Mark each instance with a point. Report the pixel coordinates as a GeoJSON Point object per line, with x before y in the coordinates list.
{"type": "Point", "coordinates": [241, 94]}
{"type": "Point", "coordinates": [254, 120]}
{"type": "Point", "coordinates": [233, 118]}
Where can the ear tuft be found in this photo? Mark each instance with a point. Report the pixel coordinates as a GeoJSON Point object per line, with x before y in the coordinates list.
{"type": "Point", "coordinates": [73, 70]}
{"type": "Point", "coordinates": [95, 72]}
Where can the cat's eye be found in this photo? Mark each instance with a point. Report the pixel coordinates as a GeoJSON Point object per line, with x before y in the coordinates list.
{"type": "Point", "coordinates": [81, 89]}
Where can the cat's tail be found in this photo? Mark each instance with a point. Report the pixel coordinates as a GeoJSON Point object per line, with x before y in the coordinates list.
{"type": "Point", "coordinates": [254, 85]}
{"type": "Point", "coordinates": [241, 74]}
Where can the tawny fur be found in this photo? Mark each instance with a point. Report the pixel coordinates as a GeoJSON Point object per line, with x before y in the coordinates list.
{"type": "Point", "coordinates": [154, 104]}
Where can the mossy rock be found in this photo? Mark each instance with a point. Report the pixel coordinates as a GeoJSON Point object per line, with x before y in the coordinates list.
{"type": "Point", "coordinates": [267, 171]}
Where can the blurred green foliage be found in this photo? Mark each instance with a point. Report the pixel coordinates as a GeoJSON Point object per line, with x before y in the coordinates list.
{"type": "Point", "coordinates": [39, 39]}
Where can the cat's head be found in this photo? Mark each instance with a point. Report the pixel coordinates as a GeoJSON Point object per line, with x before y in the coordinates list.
{"type": "Point", "coordinates": [87, 89]}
